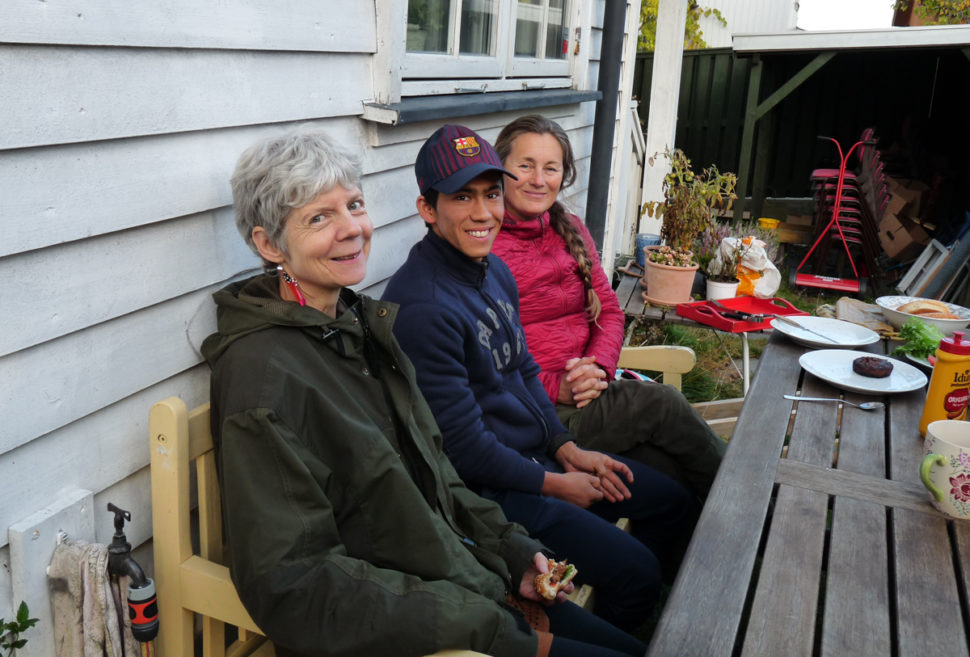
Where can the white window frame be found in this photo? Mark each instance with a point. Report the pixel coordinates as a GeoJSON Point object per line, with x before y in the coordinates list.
{"type": "Point", "coordinates": [448, 73]}
{"type": "Point", "coordinates": [530, 66]}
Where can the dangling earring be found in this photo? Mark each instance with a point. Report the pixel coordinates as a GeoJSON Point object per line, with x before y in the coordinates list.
{"type": "Point", "coordinates": [292, 284]}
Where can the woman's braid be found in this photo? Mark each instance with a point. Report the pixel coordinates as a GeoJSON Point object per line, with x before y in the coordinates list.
{"type": "Point", "coordinates": [560, 221]}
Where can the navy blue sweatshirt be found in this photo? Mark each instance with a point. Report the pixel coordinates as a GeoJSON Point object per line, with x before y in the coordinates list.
{"type": "Point", "coordinates": [459, 325]}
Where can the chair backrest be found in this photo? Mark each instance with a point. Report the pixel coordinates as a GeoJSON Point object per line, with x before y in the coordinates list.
{"type": "Point", "coordinates": [187, 582]}
{"type": "Point", "coordinates": [671, 360]}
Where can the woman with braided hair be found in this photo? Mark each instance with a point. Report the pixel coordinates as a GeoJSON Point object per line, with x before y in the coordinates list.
{"type": "Point", "coordinates": [573, 320]}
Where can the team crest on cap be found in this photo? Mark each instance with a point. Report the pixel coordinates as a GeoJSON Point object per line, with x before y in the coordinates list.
{"type": "Point", "coordinates": [467, 146]}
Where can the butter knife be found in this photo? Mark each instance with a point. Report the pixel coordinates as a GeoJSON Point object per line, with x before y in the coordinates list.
{"type": "Point", "coordinates": [791, 322]}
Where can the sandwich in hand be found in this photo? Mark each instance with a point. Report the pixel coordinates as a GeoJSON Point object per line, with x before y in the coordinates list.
{"type": "Point", "coordinates": [559, 575]}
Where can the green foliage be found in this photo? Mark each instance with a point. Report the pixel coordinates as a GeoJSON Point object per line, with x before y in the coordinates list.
{"type": "Point", "coordinates": [938, 12]}
{"type": "Point", "coordinates": [693, 35]}
{"type": "Point", "coordinates": [921, 338]}
{"type": "Point", "coordinates": [691, 200]}
{"type": "Point", "coordinates": [10, 632]}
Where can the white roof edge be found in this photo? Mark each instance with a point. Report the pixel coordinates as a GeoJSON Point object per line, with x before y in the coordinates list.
{"type": "Point", "coordinates": [893, 37]}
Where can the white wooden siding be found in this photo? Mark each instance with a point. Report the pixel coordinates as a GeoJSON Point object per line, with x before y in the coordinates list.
{"type": "Point", "coordinates": [244, 24]}
{"type": "Point", "coordinates": [107, 93]}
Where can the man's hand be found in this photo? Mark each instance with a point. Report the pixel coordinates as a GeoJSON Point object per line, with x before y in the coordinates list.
{"type": "Point", "coordinates": [579, 488]}
{"type": "Point", "coordinates": [527, 587]}
{"type": "Point", "coordinates": [608, 470]}
{"type": "Point", "coordinates": [582, 383]}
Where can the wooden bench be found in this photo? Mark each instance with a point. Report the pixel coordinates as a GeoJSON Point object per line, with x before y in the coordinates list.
{"type": "Point", "coordinates": [193, 583]}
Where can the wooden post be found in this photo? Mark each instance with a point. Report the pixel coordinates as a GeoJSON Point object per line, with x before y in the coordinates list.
{"type": "Point", "coordinates": [664, 96]}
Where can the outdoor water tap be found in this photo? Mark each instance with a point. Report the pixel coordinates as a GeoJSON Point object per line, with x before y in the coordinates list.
{"type": "Point", "coordinates": [142, 601]}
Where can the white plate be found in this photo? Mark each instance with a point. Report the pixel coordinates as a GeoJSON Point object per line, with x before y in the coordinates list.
{"type": "Point", "coordinates": [835, 366]}
{"type": "Point", "coordinates": [843, 334]}
{"type": "Point", "coordinates": [919, 361]}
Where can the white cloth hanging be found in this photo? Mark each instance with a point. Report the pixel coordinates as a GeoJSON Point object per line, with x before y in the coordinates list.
{"type": "Point", "coordinates": [90, 613]}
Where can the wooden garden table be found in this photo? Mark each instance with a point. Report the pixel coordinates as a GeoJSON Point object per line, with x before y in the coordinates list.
{"type": "Point", "coordinates": [822, 545]}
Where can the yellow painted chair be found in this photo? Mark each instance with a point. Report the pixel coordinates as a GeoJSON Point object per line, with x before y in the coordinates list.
{"type": "Point", "coordinates": [190, 584]}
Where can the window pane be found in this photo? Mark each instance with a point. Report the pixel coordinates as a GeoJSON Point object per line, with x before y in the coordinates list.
{"type": "Point", "coordinates": [557, 31]}
{"type": "Point", "coordinates": [478, 21]}
{"type": "Point", "coordinates": [527, 21]}
{"type": "Point", "coordinates": [428, 23]}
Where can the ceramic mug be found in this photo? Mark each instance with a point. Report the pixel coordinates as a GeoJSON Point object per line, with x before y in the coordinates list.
{"type": "Point", "coordinates": [945, 470]}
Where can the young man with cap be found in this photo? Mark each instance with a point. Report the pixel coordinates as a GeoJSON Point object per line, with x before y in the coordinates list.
{"type": "Point", "coordinates": [459, 324]}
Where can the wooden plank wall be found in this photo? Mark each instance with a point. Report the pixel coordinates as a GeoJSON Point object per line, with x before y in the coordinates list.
{"type": "Point", "coordinates": [116, 220]}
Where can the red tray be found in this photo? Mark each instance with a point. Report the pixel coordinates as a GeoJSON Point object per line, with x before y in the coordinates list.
{"type": "Point", "coordinates": [709, 314]}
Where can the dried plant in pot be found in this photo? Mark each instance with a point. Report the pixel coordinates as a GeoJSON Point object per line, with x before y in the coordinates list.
{"type": "Point", "coordinates": [691, 204]}
{"type": "Point", "coordinates": [721, 250]}
{"type": "Point", "coordinates": [721, 271]}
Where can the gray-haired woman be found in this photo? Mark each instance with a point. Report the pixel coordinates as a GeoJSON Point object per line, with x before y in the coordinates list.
{"type": "Point", "coordinates": [349, 531]}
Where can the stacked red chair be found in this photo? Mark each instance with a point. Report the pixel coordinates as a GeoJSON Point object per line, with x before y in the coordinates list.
{"type": "Point", "coordinates": [848, 205]}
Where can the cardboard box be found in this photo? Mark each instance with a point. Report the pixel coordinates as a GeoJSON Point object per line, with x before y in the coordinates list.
{"type": "Point", "coordinates": [793, 233]}
{"type": "Point", "coordinates": [905, 196]}
{"type": "Point", "coordinates": [901, 238]}
{"type": "Point", "coordinates": [897, 203]}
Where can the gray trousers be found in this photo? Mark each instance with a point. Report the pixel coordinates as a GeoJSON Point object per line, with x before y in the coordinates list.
{"type": "Point", "coordinates": [651, 423]}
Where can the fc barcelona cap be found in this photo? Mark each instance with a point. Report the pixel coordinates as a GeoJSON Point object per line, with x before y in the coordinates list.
{"type": "Point", "coordinates": [452, 157]}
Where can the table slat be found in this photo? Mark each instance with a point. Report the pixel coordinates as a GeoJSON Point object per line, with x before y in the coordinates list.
{"type": "Point", "coordinates": [929, 616]}
{"type": "Point", "coordinates": [856, 617]}
{"type": "Point", "coordinates": [897, 494]}
{"type": "Point", "coordinates": [782, 618]}
{"type": "Point", "coordinates": [786, 597]}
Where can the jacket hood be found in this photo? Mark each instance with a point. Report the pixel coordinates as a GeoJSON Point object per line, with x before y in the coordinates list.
{"type": "Point", "coordinates": [254, 304]}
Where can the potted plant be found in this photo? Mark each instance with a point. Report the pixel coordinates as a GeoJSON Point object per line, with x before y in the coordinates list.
{"type": "Point", "coordinates": [690, 206]}
{"type": "Point", "coordinates": [733, 241]}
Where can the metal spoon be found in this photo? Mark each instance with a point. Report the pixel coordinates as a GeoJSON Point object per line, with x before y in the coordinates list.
{"type": "Point", "coordinates": [866, 406]}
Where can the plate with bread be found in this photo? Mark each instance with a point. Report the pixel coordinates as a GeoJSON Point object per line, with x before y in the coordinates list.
{"type": "Point", "coordinates": [947, 317]}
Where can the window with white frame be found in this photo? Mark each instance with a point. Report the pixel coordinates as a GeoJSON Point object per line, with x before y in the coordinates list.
{"type": "Point", "coordinates": [488, 41]}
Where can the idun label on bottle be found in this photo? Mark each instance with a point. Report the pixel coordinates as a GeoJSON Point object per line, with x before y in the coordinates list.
{"type": "Point", "coordinates": [955, 404]}
{"type": "Point", "coordinates": [949, 390]}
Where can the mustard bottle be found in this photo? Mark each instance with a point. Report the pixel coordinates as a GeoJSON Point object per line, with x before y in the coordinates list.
{"type": "Point", "coordinates": [949, 388]}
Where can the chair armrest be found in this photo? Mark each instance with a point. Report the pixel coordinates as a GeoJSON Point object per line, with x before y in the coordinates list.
{"type": "Point", "coordinates": [207, 589]}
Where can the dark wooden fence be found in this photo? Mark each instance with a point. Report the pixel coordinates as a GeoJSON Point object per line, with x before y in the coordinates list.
{"type": "Point", "coordinates": [917, 100]}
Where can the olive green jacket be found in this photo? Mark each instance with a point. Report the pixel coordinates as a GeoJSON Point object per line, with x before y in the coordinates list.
{"type": "Point", "coordinates": [348, 537]}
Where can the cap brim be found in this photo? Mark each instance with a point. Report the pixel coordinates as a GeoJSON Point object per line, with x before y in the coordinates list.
{"type": "Point", "coordinates": [462, 177]}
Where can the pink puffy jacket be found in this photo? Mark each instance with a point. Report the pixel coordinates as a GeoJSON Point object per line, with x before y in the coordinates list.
{"type": "Point", "coordinates": [552, 299]}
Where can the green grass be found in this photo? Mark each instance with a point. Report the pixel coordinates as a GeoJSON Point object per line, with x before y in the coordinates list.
{"type": "Point", "coordinates": [714, 376]}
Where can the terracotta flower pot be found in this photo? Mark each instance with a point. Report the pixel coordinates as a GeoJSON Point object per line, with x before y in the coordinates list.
{"type": "Point", "coordinates": [666, 285]}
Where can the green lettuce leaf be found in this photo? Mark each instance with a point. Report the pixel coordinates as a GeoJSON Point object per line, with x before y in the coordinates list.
{"type": "Point", "coordinates": [921, 338]}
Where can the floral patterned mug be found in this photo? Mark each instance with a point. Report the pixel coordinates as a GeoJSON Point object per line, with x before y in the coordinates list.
{"type": "Point", "coordinates": [947, 447]}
